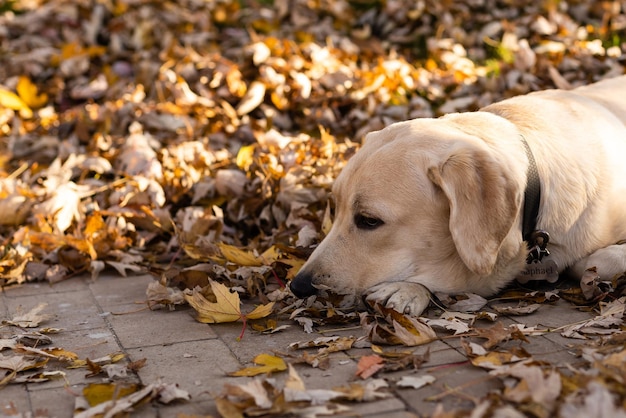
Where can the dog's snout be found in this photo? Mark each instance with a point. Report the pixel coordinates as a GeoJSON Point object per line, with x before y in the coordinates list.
{"type": "Point", "coordinates": [302, 285]}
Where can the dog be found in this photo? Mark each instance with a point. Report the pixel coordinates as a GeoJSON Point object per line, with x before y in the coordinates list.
{"type": "Point", "coordinates": [439, 204]}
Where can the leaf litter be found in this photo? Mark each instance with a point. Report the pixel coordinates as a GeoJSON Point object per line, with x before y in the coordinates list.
{"type": "Point", "coordinates": [197, 141]}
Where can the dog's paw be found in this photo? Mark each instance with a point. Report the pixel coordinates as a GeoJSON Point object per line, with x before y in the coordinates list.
{"type": "Point", "coordinates": [408, 298]}
{"type": "Point", "coordinates": [608, 262]}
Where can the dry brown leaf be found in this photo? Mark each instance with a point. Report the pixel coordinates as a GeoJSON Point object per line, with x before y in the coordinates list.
{"type": "Point", "coordinates": [295, 391]}
{"type": "Point", "coordinates": [498, 333]}
{"type": "Point", "coordinates": [14, 209]}
{"type": "Point", "coordinates": [416, 382]}
{"type": "Point", "coordinates": [517, 310]}
{"type": "Point", "coordinates": [30, 319]}
{"type": "Point", "coordinates": [536, 385]}
{"type": "Point", "coordinates": [451, 324]}
{"type": "Point", "coordinates": [396, 328]}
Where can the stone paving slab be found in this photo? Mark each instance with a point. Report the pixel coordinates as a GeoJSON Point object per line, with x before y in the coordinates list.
{"type": "Point", "coordinates": [147, 328]}
{"type": "Point", "coordinates": [463, 381]}
{"type": "Point", "coordinates": [199, 367]}
{"type": "Point", "coordinates": [109, 315]}
{"type": "Point", "coordinates": [72, 310]}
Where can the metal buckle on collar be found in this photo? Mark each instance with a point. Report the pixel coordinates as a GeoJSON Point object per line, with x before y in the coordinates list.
{"type": "Point", "coordinates": [537, 244]}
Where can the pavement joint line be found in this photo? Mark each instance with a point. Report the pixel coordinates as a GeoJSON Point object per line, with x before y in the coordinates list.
{"type": "Point", "coordinates": [111, 328]}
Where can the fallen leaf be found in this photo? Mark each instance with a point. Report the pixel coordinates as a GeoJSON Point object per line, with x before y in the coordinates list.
{"type": "Point", "coordinates": [466, 302]}
{"type": "Point", "coordinates": [517, 310]}
{"type": "Point", "coordinates": [325, 343]}
{"type": "Point", "coordinates": [41, 377]}
{"type": "Point", "coordinates": [496, 359]}
{"type": "Point", "coordinates": [451, 324]}
{"type": "Point", "coordinates": [589, 283]}
{"type": "Point", "coordinates": [98, 393]}
{"type": "Point", "coordinates": [227, 308]}
{"type": "Point", "coordinates": [369, 365]}
{"type": "Point", "coordinates": [295, 391]}
{"type": "Point", "coordinates": [15, 364]}
{"type": "Point", "coordinates": [594, 400]}
{"type": "Point", "coordinates": [245, 258]}
{"type": "Point", "coordinates": [267, 364]}
{"type": "Point", "coordinates": [396, 328]}
{"type": "Point", "coordinates": [14, 209]}
{"type": "Point", "coordinates": [28, 92]}
{"type": "Point", "coordinates": [159, 294]}
{"type": "Point", "coordinates": [415, 382]}
{"type": "Point", "coordinates": [365, 391]}
{"type": "Point", "coordinates": [114, 399]}
{"type": "Point", "coordinates": [605, 323]}
{"type": "Point", "coordinates": [253, 389]}
{"type": "Point", "coordinates": [11, 100]}
{"type": "Point", "coordinates": [30, 319]}
{"type": "Point", "coordinates": [498, 333]}
{"type": "Point", "coordinates": [535, 384]}
{"type": "Point", "coordinates": [167, 393]}
{"type": "Point", "coordinates": [32, 339]}
{"type": "Point", "coordinates": [253, 98]}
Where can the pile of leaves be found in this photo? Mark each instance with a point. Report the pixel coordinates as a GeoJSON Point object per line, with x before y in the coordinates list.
{"type": "Point", "coordinates": [198, 140]}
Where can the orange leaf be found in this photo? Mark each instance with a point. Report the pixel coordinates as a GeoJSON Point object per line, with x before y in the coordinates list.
{"type": "Point", "coordinates": [369, 365]}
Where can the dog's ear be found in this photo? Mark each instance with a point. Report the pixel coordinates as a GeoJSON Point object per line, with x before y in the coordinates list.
{"type": "Point", "coordinates": [484, 202]}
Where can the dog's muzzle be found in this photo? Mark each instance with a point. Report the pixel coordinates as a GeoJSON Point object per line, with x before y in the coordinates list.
{"type": "Point", "coordinates": [302, 285]}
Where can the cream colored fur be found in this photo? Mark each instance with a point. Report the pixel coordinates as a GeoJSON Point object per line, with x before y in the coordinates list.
{"type": "Point", "coordinates": [450, 191]}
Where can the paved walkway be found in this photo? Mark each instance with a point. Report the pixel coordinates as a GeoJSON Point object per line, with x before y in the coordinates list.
{"type": "Point", "coordinates": [105, 316]}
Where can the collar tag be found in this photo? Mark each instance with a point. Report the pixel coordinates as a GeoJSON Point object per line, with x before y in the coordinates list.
{"type": "Point", "coordinates": [538, 266]}
{"type": "Point", "coordinates": [546, 270]}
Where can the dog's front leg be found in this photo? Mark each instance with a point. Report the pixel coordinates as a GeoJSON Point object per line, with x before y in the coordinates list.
{"type": "Point", "coordinates": [405, 297]}
{"type": "Point", "coordinates": [608, 262]}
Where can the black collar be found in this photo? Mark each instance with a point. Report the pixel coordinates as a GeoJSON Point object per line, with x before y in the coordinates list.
{"type": "Point", "coordinates": [532, 196]}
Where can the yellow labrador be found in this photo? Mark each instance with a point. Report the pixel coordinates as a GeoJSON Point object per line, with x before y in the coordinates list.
{"type": "Point", "coordinates": [438, 204]}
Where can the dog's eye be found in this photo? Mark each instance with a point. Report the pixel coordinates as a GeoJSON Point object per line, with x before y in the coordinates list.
{"type": "Point", "coordinates": [367, 222]}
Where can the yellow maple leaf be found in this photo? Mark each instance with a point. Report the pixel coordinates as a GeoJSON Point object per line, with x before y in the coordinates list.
{"type": "Point", "coordinates": [29, 93]}
{"type": "Point", "coordinates": [227, 308]}
{"type": "Point", "coordinates": [266, 364]}
{"type": "Point", "coordinates": [239, 256]}
{"type": "Point", "coordinates": [247, 258]}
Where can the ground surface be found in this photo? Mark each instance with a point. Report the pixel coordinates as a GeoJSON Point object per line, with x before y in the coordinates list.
{"type": "Point", "coordinates": [105, 316]}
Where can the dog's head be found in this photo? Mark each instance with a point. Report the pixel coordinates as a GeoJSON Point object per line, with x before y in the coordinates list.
{"type": "Point", "coordinates": [426, 201]}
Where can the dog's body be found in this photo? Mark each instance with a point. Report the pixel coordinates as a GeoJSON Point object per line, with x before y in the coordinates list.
{"type": "Point", "coordinates": [437, 204]}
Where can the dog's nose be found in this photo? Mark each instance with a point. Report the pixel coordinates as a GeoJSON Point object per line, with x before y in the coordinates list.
{"type": "Point", "coordinates": [302, 286]}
